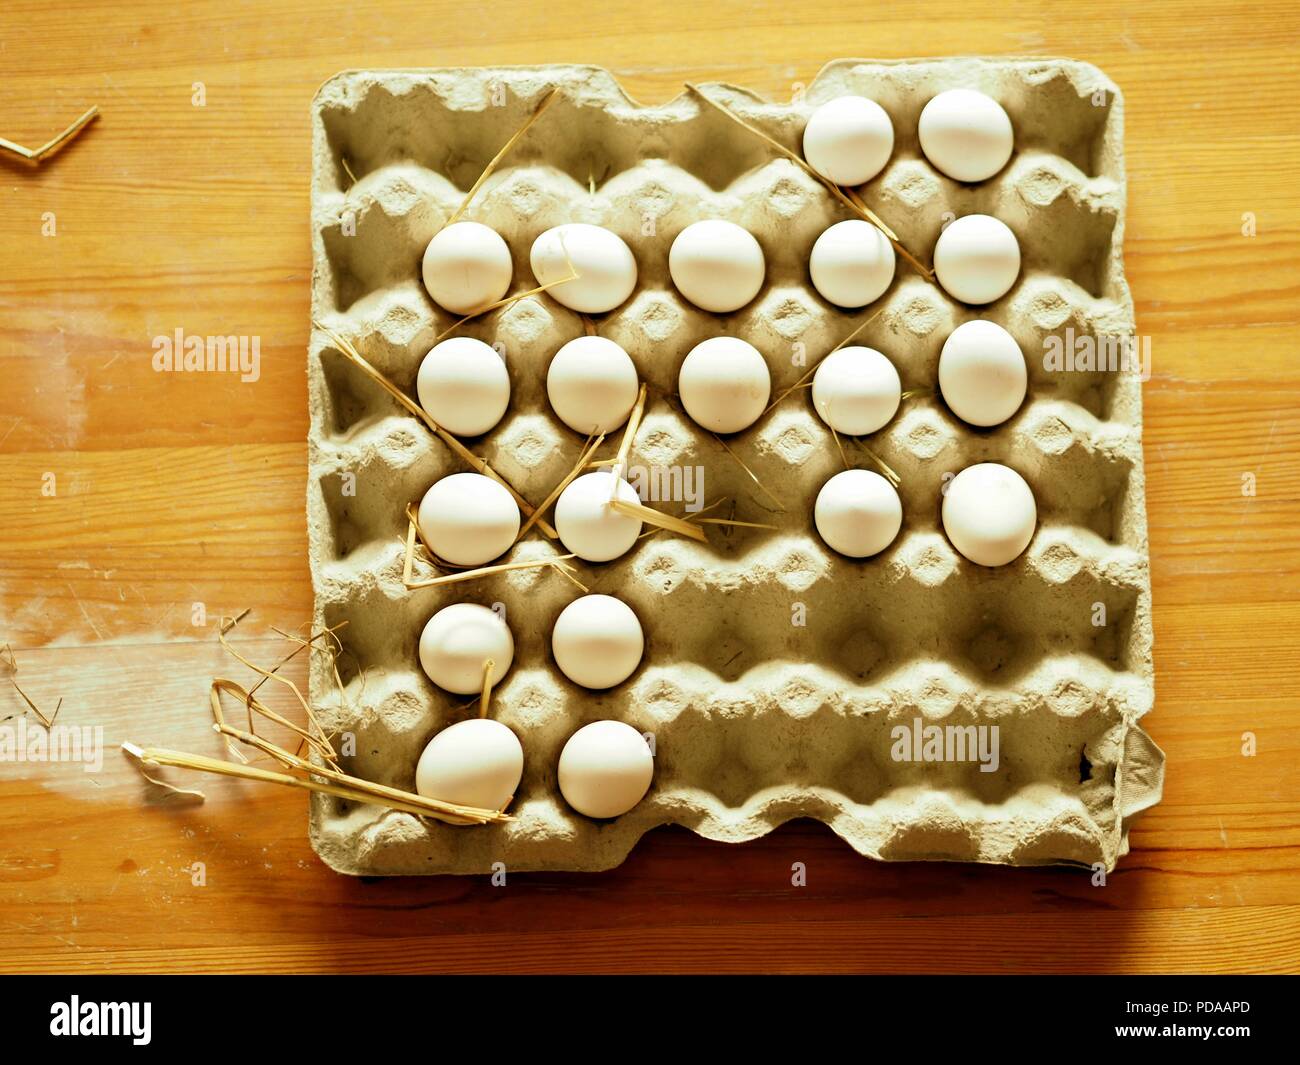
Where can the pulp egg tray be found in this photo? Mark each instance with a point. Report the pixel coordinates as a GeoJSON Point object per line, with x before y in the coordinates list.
{"type": "Point", "coordinates": [775, 670]}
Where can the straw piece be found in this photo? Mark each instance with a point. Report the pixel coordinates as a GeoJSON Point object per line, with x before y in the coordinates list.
{"type": "Point", "coordinates": [885, 469]}
{"type": "Point", "coordinates": [709, 506]}
{"type": "Point", "coordinates": [319, 742]}
{"type": "Point", "coordinates": [855, 198]}
{"type": "Point", "coordinates": [846, 196]}
{"type": "Point", "coordinates": [629, 434]}
{"type": "Point", "coordinates": [48, 722]}
{"type": "Point", "coordinates": [753, 476]}
{"type": "Point", "coordinates": [486, 696]}
{"type": "Point", "coordinates": [487, 571]}
{"type": "Point", "coordinates": [349, 352]}
{"type": "Point", "coordinates": [727, 523]}
{"type": "Point", "coordinates": [307, 643]}
{"type": "Point", "coordinates": [505, 150]}
{"type": "Point", "coordinates": [563, 571]}
{"type": "Point", "coordinates": [251, 704]}
{"type": "Point", "coordinates": [226, 624]}
{"type": "Point", "coordinates": [506, 301]}
{"type": "Point", "coordinates": [326, 778]}
{"type": "Point", "coordinates": [736, 523]}
{"type": "Point", "coordinates": [461, 573]}
{"type": "Point", "coordinates": [588, 450]}
{"type": "Point", "coordinates": [11, 671]}
{"type": "Point", "coordinates": [803, 382]}
{"type": "Point", "coordinates": [658, 518]}
{"type": "Point", "coordinates": [408, 557]}
{"type": "Point", "coordinates": [794, 157]}
{"type": "Point", "coordinates": [54, 144]}
{"type": "Point", "coordinates": [413, 522]}
{"type": "Point", "coordinates": [556, 562]}
{"type": "Point", "coordinates": [811, 369]}
{"type": "Point", "coordinates": [838, 446]}
{"type": "Point", "coordinates": [849, 198]}
{"type": "Point", "coordinates": [174, 794]}
{"type": "Point", "coordinates": [304, 644]}
{"type": "Point", "coordinates": [163, 756]}
{"type": "Point", "coordinates": [901, 248]}
{"type": "Point", "coordinates": [294, 762]}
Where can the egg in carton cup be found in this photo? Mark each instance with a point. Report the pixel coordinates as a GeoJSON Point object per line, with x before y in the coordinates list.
{"type": "Point", "coordinates": [958, 678]}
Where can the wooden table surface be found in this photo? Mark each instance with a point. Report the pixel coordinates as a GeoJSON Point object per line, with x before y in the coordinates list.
{"type": "Point", "coordinates": [128, 496]}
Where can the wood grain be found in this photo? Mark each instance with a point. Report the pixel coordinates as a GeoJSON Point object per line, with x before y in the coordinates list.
{"type": "Point", "coordinates": [172, 490]}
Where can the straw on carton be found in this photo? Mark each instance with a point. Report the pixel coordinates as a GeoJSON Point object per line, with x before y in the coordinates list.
{"type": "Point", "coordinates": [639, 510]}
{"type": "Point", "coordinates": [507, 300]}
{"type": "Point", "coordinates": [587, 451]}
{"type": "Point", "coordinates": [349, 352]}
{"type": "Point", "coordinates": [542, 105]}
{"type": "Point", "coordinates": [556, 562]}
{"type": "Point", "coordinates": [811, 369]}
{"type": "Point", "coordinates": [658, 518]}
{"type": "Point", "coordinates": [486, 695]}
{"type": "Point", "coordinates": [488, 170]}
{"type": "Point", "coordinates": [322, 775]}
{"type": "Point", "coordinates": [884, 467]}
{"type": "Point", "coordinates": [752, 475]}
{"type": "Point", "coordinates": [849, 198]}
{"type": "Point", "coordinates": [629, 435]}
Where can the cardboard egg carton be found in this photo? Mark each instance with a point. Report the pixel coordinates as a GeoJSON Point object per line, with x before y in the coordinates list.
{"type": "Point", "coordinates": [779, 678]}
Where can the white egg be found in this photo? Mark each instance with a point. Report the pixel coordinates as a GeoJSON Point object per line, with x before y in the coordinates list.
{"type": "Point", "coordinates": [464, 386]}
{"type": "Point", "coordinates": [478, 762]}
{"type": "Point", "coordinates": [724, 384]}
{"type": "Point", "coordinates": [717, 265]}
{"type": "Point", "coordinates": [467, 267]}
{"type": "Point", "coordinates": [856, 390]}
{"type": "Point", "coordinates": [989, 513]}
{"type": "Point", "coordinates": [966, 134]}
{"type": "Point", "coordinates": [588, 526]}
{"type": "Point", "coordinates": [848, 140]}
{"type": "Point", "coordinates": [982, 373]}
{"type": "Point", "coordinates": [605, 769]}
{"type": "Point", "coordinates": [858, 513]}
{"type": "Point", "coordinates": [592, 385]}
{"type": "Point", "coordinates": [597, 641]}
{"type": "Point", "coordinates": [468, 519]}
{"type": "Point", "coordinates": [977, 258]}
{"type": "Point", "coordinates": [458, 641]}
{"type": "Point", "coordinates": [604, 264]}
{"type": "Point", "coordinates": [852, 263]}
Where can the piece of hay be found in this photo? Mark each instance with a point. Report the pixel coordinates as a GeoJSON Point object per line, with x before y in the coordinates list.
{"type": "Point", "coordinates": [36, 156]}
{"type": "Point", "coordinates": [319, 771]}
